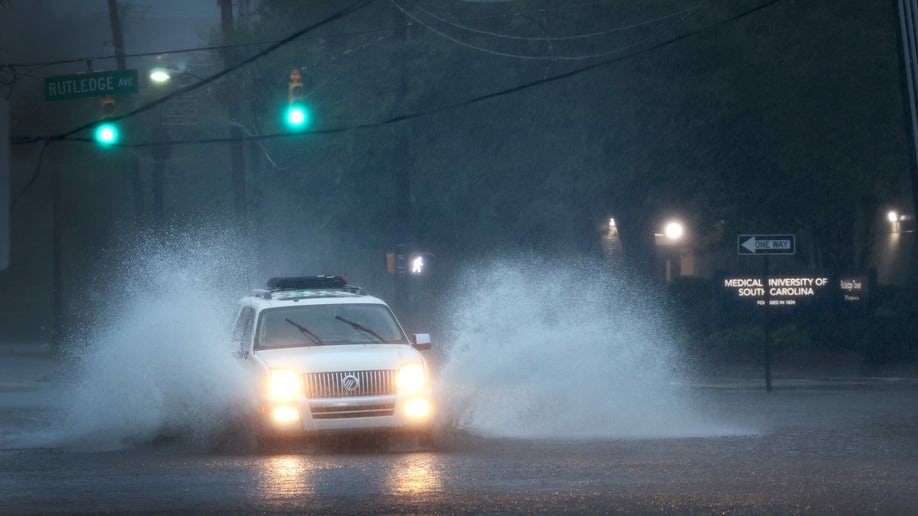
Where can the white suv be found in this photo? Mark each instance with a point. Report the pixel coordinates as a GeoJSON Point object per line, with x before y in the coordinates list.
{"type": "Point", "coordinates": [328, 358]}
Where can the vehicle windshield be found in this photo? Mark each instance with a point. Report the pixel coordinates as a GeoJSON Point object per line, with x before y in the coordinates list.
{"type": "Point", "coordinates": [322, 325]}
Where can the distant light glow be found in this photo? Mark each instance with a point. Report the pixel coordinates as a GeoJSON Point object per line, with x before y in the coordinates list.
{"type": "Point", "coordinates": [160, 75]}
{"type": "Point", "coordinates": [892, 216]}
{"type": "Point", "coordinates": [673, 231]}
{"type": "Point", "coordinates": [611, 222]}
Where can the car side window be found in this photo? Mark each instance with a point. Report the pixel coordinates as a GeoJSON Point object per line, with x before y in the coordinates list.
{"type": "Point", "coordinates": [244, 323]}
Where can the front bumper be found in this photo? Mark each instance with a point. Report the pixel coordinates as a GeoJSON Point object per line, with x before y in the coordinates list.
{"type": "Point", "coordinates": [409, 411]}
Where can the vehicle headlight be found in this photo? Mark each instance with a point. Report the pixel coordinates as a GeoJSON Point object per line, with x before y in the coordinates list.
{"type": "Point", "coordinates": [285, 414]}
{"type": "Point", "coordinates": [285, 383]}
{"type": "Point", "coordinates": [419, 408]}
{"type": "Point", "coordinates": [411, 376]}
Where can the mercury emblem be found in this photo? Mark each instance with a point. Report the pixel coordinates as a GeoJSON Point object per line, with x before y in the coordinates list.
{"type": "Point", "coordinates": [350, 383]}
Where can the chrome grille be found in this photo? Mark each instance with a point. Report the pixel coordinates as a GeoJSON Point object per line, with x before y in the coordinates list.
{"type": "Point", "coordinates": [350, 411]}
{"type": "Point", "coordinates": [342, 384]}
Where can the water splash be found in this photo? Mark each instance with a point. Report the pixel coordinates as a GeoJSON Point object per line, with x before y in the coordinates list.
{"type": "Point", "coordinates": [564, 350]}
{"type": "Point", "coordinates": [158, 360]}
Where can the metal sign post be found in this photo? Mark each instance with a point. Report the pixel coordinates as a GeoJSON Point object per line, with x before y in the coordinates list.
{"type": "Point", "coordinates": [5, 198]}
{"type": "Point", "coordinates": [766, 326]}
{"type": "Point", "coordinates": [766, 245]}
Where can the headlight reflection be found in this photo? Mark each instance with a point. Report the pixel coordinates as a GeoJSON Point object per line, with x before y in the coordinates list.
{"type": "Point", "coordinates": [284, 477]}
{"type": "Point", "coordinates": [415, 474]}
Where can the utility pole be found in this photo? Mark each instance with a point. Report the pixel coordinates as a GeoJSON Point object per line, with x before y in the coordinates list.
{"type": "Point", "coordinates": [401, 176]}
{"type": "Point", "coordinates": [118, 44]}
{"type": "Point", "coordinates": [237, 163]}
{"type": "Point", "coordinates": [57, 295]}
{"type": "Point", "coordinates": [117, 36]}
{"type": "Point", "coordinates": [908, 35]}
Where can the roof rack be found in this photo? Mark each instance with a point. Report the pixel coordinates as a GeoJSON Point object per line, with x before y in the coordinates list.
{"type": "Point", "coordinates": [306, 283]}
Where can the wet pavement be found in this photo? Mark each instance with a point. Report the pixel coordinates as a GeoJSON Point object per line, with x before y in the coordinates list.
{"type": "Point", "coordinates": [812, 446]}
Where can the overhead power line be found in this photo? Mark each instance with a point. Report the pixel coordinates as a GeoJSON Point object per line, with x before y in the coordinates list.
{"type": "Point", "coordinates": [548, 39]}
{"type": "Point", "coordinates": [104, 57]}
{"type": "Point", "coordinates": [71, 60]}
{"type": "Point", "coordinates": [187, 89]}
{"type": "Point", "coordinates": [405, 116]}
{"type": "Point", "coordinates": [612, 30]}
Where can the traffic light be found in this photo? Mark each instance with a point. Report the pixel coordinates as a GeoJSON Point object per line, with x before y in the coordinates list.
{"type": "Point", "coordinates": [390, 263]}
{"type": "Point", "coordinates": [297, 115]}
{"type": "Point", "coordinates": [107, 132]}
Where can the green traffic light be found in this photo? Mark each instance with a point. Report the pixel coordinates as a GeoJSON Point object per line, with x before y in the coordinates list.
{"type": "Point", "coordinates": [107, 134]}
{"type": "Point", "coordinates": [297, 116]}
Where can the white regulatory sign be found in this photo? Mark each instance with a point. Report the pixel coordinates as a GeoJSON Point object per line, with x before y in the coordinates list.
{"type": "Point", "coordinates": [180, 111]}
{"type": "Point", "coordinates": [766, 244]}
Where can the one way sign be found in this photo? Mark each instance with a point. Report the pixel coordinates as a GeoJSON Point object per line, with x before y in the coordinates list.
{"type": "Point", "coordinates": [766, 244]}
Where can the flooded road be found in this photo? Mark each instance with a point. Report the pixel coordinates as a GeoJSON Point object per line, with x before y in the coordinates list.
{"type": "Point", "coordinates": [812, 446]}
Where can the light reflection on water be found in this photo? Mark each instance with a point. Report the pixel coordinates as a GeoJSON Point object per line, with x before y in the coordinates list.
{"type": "Point", "coordinates": [414, 474]}
{"type": "Point", "coordinates": [285, 476]}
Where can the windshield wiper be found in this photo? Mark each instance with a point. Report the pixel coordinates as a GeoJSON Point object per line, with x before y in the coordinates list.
{"type": "Point", "coordinates": [305, 331]}
{"type": "Point", "coordinates": [362, 328]}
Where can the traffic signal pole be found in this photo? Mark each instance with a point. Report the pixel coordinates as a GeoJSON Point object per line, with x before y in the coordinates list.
{"type": "Point", "coordinates": [237, 162]}
{"type": "Point", "coordinates": [57, 274]}
{"type": "Point", "coordinates": [57, 283]}
{"type": "Point", "coordinates": [134, 169]}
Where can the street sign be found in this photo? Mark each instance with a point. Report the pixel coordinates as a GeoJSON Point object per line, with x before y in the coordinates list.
{"type": "Point", "coordinates": [781, 290]}
{"type": "Point", "coordinates": [66, 87]}
{"type": "Point", "coordinates": [180, 111]}
{"type": "Point", "coordinates": [850, 288]}
{"type": "Point", "coordinates": [766, 244]}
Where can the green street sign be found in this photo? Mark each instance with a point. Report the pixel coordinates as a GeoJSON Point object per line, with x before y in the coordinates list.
{"type": "Point", "coordinates": [116, 82]}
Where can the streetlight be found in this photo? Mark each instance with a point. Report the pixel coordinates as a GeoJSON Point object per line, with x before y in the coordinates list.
{"type": "Point", "coordinates": [160, 75]}
{"type": "Point", "coordinates": [674, 231]}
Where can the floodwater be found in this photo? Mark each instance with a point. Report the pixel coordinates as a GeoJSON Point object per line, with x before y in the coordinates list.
{"type": "Point", "coordinates": [824, 446]}
{"type": "Point", "coordinates": [565, 350]}
{"type": "Point", "coordinates": [530, 350]}
{"type": "Point", "coordinates": [551, 398]}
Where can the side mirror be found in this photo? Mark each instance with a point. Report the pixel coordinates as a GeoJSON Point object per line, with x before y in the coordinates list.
{"type": "Point", "coordinates": [421, 341]}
